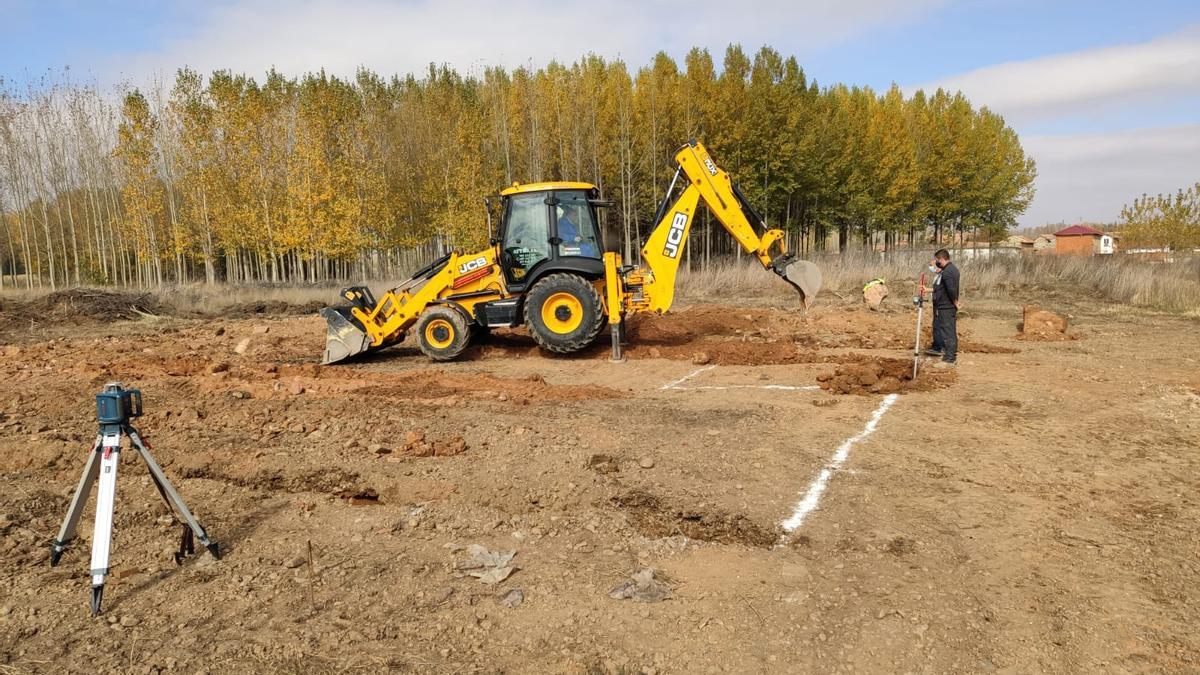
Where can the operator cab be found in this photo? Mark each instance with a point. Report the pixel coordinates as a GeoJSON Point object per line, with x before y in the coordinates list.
{"type": "Point", "coordinates": [548, 226]}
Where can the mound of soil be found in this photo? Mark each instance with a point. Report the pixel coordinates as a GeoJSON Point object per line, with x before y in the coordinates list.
{"type": "Point", "coordinates": [96, 305]}
{"type": "Point", "coordinates": [1044, 326]}
{"type": "Point", "coordinates": [727, 336]}
{"type": "Point", "coordinates": [882, 376]}
{"type": "Point", "coordinates": [696, 323]}
{"type": "Point", "coordinates": [740, 336]}
{"type": "Point", "coordinates": [244, 310]}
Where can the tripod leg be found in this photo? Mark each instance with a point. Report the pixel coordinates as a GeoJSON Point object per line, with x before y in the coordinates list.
{"type": "Point", "coordinates": [67, 532]}
{"type": "Point", "coordinates": [102, 534]}
{"type": "Point", "coordinates": [172, 497]}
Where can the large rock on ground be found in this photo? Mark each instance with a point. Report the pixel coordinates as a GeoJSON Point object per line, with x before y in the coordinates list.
{"type": "Point", "coordinates": [874, 294]}
{"type": "Point", "coordinates": [1038, 321]}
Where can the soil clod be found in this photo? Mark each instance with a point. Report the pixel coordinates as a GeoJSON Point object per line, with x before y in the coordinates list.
{"type": "Point", "coordinates": [643, 586]}
{"type": "Point", "coordinates": [653, 519]}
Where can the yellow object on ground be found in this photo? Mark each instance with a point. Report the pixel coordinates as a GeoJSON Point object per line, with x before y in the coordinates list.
{"type": "Point", "coordinates": [547, 270]}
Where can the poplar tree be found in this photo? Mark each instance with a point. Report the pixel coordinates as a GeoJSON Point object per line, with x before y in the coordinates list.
{"type": "Point", "coordinates": [229, 178]}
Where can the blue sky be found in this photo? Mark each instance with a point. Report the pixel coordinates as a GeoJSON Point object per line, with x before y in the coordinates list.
{"type": "Point", "coordinates": [1106, 95]}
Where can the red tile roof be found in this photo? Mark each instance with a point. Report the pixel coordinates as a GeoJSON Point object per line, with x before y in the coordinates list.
{"type": "Point", "coordinates": [1078, 230]}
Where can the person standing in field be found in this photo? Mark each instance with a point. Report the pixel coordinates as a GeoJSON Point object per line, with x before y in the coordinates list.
{"type": "Point", "coordinates": [945, 309]}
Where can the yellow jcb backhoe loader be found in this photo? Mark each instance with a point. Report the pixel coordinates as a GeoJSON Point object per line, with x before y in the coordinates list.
{"type": "Point", "coordinates": [546, 270]}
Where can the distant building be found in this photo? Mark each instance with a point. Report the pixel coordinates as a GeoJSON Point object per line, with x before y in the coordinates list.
{"type": "Point", "coordinates": [1083, 240]}
{"type": "Point", "coordinates": [1018, 241]}
{"type": "Point", "coordinates": [1044, 243]}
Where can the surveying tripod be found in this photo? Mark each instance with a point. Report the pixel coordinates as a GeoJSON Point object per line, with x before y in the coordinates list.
{"type": "Point", "coordinates": [114, 408]}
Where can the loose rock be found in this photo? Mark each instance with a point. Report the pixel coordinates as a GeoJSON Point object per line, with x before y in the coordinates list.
{"type": "Point", "coordinates": [643, 586]}
{"type": "Point", "coordinates": [511, 599]}
{"type": "Point", "coordinates": [874, 294]}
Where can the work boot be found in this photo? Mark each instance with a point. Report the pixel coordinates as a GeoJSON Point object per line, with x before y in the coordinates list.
{"type": "Point", "coordinates": [932, 352]}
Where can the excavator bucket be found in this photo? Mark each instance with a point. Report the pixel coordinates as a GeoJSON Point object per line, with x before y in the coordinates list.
{"type": "Point", "coordinates": [805, 277]}
{"type": "Point", "coordinates": [345, 336]}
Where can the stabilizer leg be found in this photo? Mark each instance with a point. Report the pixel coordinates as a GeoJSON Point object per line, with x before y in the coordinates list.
{"type": "Point", "coordinates": [613, 290]}
{"type": "Point", "coordinates": [616, 343]}
{"type": "Point", "coordinates": [173, 500]}
{"type": "Point", "coordinates": [97, 597]}
{"type": "Point", "coordinates": [67, 532]}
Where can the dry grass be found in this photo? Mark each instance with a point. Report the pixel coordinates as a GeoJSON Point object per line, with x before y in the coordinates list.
{"type": "Point", "coordinates": [1173, 287]}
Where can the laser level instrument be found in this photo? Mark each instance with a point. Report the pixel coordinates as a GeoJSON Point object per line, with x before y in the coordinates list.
{"type": "Point", "coordinates": [115, 407]}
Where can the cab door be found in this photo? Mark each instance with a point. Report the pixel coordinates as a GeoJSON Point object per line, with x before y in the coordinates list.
{"type": "Point", "coordinates": [575, 230]}
{"type": "Point", "coordinates": [526, 240]}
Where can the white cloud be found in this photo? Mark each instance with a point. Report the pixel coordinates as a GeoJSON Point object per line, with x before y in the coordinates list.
{"type": "Point", "coordinates": [1091, 176]}
{"type": "Point", "coordinates": [406, 35]}
{"type": "Point", "coordinates": [1166, 67]}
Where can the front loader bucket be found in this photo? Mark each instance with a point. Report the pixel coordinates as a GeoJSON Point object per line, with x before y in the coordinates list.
{"type": "Point", "coordinates": [345, 337]}
{"type": "Point", "coordinates": [806, 277]}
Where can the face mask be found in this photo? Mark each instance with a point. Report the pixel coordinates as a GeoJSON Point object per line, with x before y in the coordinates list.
{"type": "Point", "coordinates": [942, 264]}
{"type": "Point", "coordinates": [933, 269]}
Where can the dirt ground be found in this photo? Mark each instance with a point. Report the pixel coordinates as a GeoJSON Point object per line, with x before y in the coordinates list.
{"type": "Point", "coordinates": [1034, 511]}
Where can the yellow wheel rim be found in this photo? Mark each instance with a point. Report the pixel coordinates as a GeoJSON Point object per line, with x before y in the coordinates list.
{"type": "Point", "coordinates": [562, 313]}
{"type": "Point", "coordinates": [439, 333]}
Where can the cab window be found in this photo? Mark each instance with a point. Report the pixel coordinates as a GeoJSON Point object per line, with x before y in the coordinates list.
{"type": "Point", "coordinates": [526, 237]}
{"type": "Point", "coordinates": [576, 230]}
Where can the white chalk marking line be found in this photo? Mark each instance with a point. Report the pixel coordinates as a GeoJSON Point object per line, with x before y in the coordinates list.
{"type": "Point", "coordinates": [685, 378]}
{"type": "Point", "coordinates": [815, 489]}
{"type": "Point", "coordinates": [677, 384]}
{"type": "Point", "coordinates": [786, 387]}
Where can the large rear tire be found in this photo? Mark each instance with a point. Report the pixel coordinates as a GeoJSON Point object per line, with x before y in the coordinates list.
{"type": "Point", "coordinates": [563, 313]}
{"type": "Point", "coordinates": [443, 333]}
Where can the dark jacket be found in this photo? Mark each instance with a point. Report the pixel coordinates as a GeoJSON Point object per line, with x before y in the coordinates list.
{"type": "Point", "coordinates": [945, 288]}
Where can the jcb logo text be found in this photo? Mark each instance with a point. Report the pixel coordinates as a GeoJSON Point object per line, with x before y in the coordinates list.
{"type": "Point", "coordinates": [675, 234]}
{"type": "Point", "coordinates": [472, 265]}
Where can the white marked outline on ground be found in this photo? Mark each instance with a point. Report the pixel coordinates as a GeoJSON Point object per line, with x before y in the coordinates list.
{"type": "Point", "coordinates": [812, 497]}
{"type": "Point", "coordinates": [685, 378]}
{"type": "Point", "coordinates": [677, 384]}
{"type": "Point", "coordinates": [787, 387]}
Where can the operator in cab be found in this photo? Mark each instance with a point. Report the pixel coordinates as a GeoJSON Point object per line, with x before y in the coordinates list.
{"type": "Point", "coordinates": [572, 242]}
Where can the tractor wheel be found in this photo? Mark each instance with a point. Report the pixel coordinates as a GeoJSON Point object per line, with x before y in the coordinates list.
{"type": "Point", "coordinates": [442, 332]}
{"type": "Point", "coordinates": [563, 313]}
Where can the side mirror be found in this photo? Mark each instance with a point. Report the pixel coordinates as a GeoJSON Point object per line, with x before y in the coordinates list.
{"type": "Point", "coordinates": [601, 203]}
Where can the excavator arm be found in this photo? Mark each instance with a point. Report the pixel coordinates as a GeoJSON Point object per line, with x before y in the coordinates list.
{"type": "Point", "coordinates": [652, 288]}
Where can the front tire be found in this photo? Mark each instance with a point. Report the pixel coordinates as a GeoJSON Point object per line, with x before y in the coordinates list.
{"type": "Point", "coordinates": [443, 333]}
{"type": "Point", "coordinates": [563, 313]}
